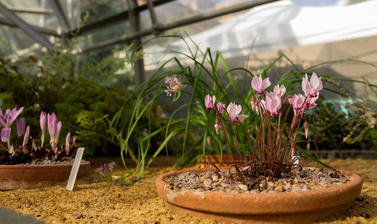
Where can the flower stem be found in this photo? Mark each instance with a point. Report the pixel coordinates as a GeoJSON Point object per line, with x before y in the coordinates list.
{"type": "Point", "coordinates": [226, 137]}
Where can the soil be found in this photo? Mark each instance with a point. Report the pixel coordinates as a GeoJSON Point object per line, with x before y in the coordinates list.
{"type": "Point", "coordinates": [138, 202]}
{"type": "Point", "coordinates": [304, 180]}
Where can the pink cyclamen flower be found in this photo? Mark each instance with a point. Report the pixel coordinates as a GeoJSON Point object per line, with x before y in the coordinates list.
{"type": "Point", "coordinates": [173, 85]}
{"type": "Point", "coordinates": [311, 88]}
{"type": "Point", "coordinates": [259, 84]}
{"type": "Point", "coordinates": [254, 104]}
{"type": "Point", "coordinates": [209, 102]}
{"type": "Point", "coordinates": [297, 102]}
{"type": "Point", "coordinates": [280, 90]}
{"type": "Point", "coordinates": [234, 111]}
{"type": "Point", "coordinates": [21, 127]}
{"type": "Point", "coordinates": [220, 108]}
{"type": "Point", "coordinates": [272, 103]}
{"type": "Point", "coordinates": [312, 102]}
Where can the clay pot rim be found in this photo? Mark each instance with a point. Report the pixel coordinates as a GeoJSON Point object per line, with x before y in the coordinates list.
{"type": "Point", "coordinates": [31, 166]}
{"type": "Point", "coordinates": [260, 203]}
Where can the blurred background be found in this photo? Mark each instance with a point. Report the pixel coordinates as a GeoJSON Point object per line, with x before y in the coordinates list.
{"type": "Point", "coordinates": [118, 44]}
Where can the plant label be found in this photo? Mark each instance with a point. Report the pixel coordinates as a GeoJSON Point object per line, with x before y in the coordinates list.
{"type": "Point", "coordinates": [75, 169]}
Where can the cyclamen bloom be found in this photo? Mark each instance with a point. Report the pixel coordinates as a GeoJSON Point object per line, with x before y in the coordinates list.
{"type": "Point", "coordinates": [254, 104]}
{"type": "Point", "coordinates": [220, 108]}
{"type": "Point", "coordinates": [234, 111]}
{"type": "Point", "coordinates": [311, 88]}
{"type": "Point", "coordinates": [209, 102]}
{"type": "Point", "coordinates": [259, 84]}
{"type": "Point", "coordinates": [312, 102]}
{"type": "Point", "coordinates": [297, 102]}
{"type": "Point", "coordinates": [272, 103]}
{"type": "Point", "coordinates": [173, 85]}
{"type": "Point", "coordinates": [280, 90]}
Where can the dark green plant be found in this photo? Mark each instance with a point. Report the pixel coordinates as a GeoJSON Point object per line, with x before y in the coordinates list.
{"type": "Point", "coordinates": [84, 99]}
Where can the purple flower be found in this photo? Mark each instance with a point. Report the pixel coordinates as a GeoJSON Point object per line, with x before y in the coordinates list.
{"type": "Point", "coordinates": [43, 122]}
{"type": "Point", "coordinates": [272, 103]}
{"type": "Point", "coordinates": [173, 85]}
{"type": "Point", "coordinates": [220, 108]}
{"type": "Point", "coordinates": [5, 134]}
{"type": "Point", "coordinates": [297, 102]}
{"type": "Point", "coordinates": [311, 88]}
{"type": "Point", "coordinates": [20, 127]}
{"type": "Point", "coordinates": [312, 102]}
{"type": "Point", "coordinates": [209, 102]}
{"type": "Point", "coordinates": [9, 116]}
{"type": "Point", "coordinates": [67, 139]}
{"type": "Point", "coordinates": [259, 84]}
{"type": "Point", "coordinates": [234, 111]}
{"type": "Point", "coordinates": [54, 128]}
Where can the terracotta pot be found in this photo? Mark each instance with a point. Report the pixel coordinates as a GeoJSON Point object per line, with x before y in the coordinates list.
{"type": "Point", "coordinates": [285, 207]}
{"type": "Point", "coordinates": [27, 176]}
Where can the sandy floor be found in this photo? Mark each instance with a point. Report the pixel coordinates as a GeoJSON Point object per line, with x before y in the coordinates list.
{"type": "Point", "coordinates": [139, 203]}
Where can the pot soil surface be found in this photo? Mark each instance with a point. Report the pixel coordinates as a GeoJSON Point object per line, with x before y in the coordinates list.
{"type": "Point", "coordinates": [138, 202]}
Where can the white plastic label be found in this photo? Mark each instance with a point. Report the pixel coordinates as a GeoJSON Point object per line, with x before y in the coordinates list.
{"type": "Point", "coordinates": [75, 169]}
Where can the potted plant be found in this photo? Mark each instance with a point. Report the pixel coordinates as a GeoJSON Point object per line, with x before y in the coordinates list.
{"type": "Point", "coordinates": [266, 181]}
{"type": "Point", "coordinates": [23, 162]}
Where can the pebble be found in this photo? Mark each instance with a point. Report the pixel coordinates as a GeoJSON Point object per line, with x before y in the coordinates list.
{"type": "Point", "coordinates": [303, 181]}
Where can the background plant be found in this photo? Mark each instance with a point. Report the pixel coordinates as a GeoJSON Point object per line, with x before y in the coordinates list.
{"type": "Point", "coordinates": [83, 96]}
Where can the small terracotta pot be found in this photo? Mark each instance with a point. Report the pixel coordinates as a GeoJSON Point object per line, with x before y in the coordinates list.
{"type": "Point", "coordinates": [27, 176]}
{"type": "Point", "coordinates": [285, 207]}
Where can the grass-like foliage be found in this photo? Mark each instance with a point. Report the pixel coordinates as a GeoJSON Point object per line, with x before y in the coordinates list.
{"type": "Point", "coordinates": [187, 86]}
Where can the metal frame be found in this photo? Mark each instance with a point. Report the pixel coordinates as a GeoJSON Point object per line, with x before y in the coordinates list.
{"type": "Point", "coordinates": [62, 18]}
{"type": "Point", "coordinates": [31, 11]}
{"type": "Point", "coordinates": [38, 29]}
{"type": "Point", "coordinates": [16, 20]}
{"type": "Point", "coordinates": [134, 19]}
{"type": "Point", "coordinates": [112, 20]}
{"type": "Point", "coordinates": [132, 15]}
{"type": "Point", "coordinates": [183, 22]}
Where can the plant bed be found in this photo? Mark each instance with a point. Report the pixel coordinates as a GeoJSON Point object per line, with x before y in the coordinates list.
{"type": "Point", "coordinates": [35, 175]}
{"type": "Point", "coordinates": [27, 162]}
{"type": "Point", "coordinates": [317, 194]}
